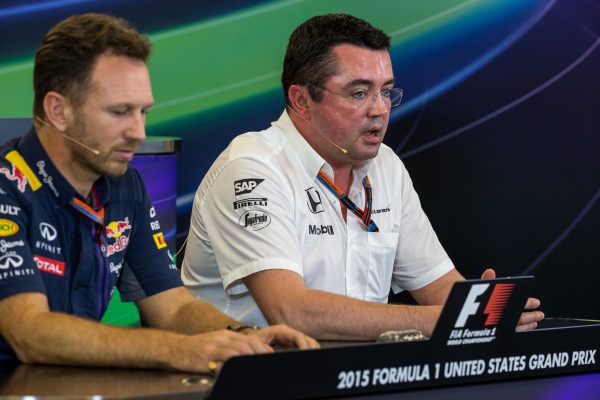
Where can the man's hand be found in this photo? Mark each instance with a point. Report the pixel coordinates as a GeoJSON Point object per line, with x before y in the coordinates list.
{"type": "Point", "coordinates": [529, 319]}
{"type": "Point", "coordinates": [284, 335]}
{"type": "Point", "coordinates": [195, 353]}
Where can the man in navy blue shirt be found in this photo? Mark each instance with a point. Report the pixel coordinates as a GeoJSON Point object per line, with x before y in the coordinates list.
{"type": "Point", "coordinates": [76, 221]}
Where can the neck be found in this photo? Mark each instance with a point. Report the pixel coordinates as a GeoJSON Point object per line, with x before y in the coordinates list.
{"type": "Point", "coordinates": [59, 152]}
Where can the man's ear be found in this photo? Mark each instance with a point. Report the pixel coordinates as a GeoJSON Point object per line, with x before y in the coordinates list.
{"type": "Point", "coordinates": [58, 110]}
{"type": "Point", "coordinates": [298, 97]}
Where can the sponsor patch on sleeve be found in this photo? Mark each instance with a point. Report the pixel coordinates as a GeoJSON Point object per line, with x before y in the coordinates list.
{"type": "Point", "coordinates": [8, 227]}
{"type": "Point", "coordinates": [159, 240]}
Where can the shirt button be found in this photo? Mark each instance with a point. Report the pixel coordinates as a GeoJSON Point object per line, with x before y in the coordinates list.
{"type": "Point", "coordinates": [333, 201]}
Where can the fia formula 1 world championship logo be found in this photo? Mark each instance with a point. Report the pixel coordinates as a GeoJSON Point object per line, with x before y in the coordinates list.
{"type": "Point", "coordinates": [475, 332]}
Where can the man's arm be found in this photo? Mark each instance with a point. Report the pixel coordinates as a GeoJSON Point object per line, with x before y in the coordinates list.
{"type": "Point", "coordinates": [38, 335]}
{"type": "Point", "coordinates": [283, 298]}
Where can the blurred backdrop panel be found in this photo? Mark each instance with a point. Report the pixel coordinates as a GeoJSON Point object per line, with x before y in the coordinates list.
{"type": "Point", "coordinates": [500, 126]}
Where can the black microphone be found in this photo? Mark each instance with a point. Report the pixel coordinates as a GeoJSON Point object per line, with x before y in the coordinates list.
{"type": "Point", "coordinates": [316, 130]}
{"type": "Point", "coordinates": [94, 151]}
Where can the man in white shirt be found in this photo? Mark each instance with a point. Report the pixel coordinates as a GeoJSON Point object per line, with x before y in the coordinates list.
{"type": "Point", "coordinates": [311, 221]}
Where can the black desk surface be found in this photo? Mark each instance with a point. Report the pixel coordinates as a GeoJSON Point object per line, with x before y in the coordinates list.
{"type": "Point", "coordinates": [37, 381]}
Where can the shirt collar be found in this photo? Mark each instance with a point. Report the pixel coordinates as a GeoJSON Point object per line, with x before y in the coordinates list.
{"type": "Point", "coordinates": [310, 159]}
{"type": "Point", "coordinates": [35, 155]}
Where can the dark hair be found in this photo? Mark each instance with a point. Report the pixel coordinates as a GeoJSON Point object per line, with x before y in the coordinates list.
{"type": "Point", "coordinates": [69, 51]}
{"type": "Point", "coordinates": [309, 57]}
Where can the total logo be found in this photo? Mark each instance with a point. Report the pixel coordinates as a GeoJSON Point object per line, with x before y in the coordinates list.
{"type": "Point", "coordinates": [115, 229]}
{"type": "Point", "coordinates": [244, 186]}
{"type": "Point", "coordinates": [494, 309]}
{"type": "Point", "coordinates": [50, 265]}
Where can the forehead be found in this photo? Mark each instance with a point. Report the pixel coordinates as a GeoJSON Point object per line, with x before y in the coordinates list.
{"type": "Point", "coordinates": [120, 79]}
{"type": "Point", "coordinates": [357, 63]}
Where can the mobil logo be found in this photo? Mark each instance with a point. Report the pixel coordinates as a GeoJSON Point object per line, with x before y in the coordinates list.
{"type": "Point", "coordinates": [115, 229]}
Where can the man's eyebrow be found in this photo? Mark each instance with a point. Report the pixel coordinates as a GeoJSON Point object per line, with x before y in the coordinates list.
{"type": "Point", "coordinates": [366, 82]}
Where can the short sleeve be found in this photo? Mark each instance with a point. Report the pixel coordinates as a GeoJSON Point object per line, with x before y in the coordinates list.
{"type": "Point", "coordinates": [420, 257]}
{"type": "Point", "coordinates": [18, 270]}
{"type": "Point", "coordinates": [247, 214]}
{"type": "Point", "coordinates": [148, 259]}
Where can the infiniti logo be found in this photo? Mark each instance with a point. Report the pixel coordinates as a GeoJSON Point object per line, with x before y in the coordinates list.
{"type": "Point", "coordinates": [10, 260]}
{"type": "Point", "coordinates": [48, 231]}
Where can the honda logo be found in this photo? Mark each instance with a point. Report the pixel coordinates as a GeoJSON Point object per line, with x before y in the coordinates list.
{"type": "Point", "coordinates": [48, 231]}
{"type": "Point", "coordinates": [315, 205]}
{"type": "Point", "coordinates": [10, 260]}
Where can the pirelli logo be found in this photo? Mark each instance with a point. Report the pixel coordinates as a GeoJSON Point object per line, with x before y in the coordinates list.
{"type": "Point", "coordinates": [257, 201]}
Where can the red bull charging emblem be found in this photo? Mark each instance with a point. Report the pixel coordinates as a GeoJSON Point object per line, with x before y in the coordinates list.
{"type": "Point", "coordinates": [115, 229]}
{"type": "Point", "coordinates": [16, 175]}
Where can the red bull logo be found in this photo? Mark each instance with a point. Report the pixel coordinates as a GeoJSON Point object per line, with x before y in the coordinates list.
{"type": "Point", "coordinates": [115, 229]}
{"type": "Point", "coordinates": [16, 175]}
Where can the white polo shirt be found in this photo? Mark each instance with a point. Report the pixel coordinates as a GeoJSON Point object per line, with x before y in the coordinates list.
{"type": "Point", "coordinates": [261, 207]}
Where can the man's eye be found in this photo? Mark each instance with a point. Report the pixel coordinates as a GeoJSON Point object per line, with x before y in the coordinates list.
{"type": "Point", "coordinates": [120, 112]}
{"type": "Point", "coordinates": [386, 93]}
{"type": "Point", "coordinates": [360, 95]}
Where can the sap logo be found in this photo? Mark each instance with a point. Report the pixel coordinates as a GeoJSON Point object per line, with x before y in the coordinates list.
{"type": "Point", "coordinates": [314, 203]}
{"type": "Point", "coordinates": [254, 220]}
{"type": "Point", "coordinates": [494, 307]}
{"type": "Point", "coordinates": [50, 265]}
{"type": "Point", "coordinates": [8, 227]}
{"type": "Point", "coordinates": [320, 230]}
{"type": "Point", "coordinates": [10, 260]}
{"type": "Point", "coordinates": [48, 231]}
{"type": "Point", "coordinates": [260, 201]}
{"type": "Point", "coordinates": [244, 186]}
{"type": "Point", "coordinates": [9, 210]}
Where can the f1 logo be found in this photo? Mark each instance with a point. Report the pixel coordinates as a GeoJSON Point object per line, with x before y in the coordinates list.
{"type": "Point", "coordinates": [494, 307]}
{"type": "Point", "coordinates": [471, 306]}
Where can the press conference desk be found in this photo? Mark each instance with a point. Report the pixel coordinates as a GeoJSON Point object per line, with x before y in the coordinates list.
{"type": "Point", "coordinates": [289, 374]}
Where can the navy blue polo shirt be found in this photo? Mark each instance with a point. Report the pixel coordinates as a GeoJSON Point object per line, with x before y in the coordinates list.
{"type": "Point", "coordinates": [49, 246]}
